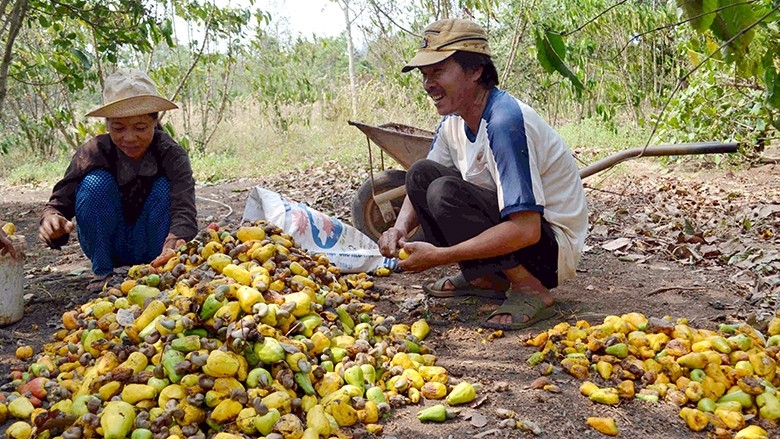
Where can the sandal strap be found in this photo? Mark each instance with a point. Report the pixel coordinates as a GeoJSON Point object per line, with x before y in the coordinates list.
{"type": "Point", "coordinates": [457, 281]}
{"type": "Point", "coordinates": [520, 305]}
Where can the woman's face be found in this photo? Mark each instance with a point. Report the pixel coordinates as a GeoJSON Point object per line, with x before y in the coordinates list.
{"type": "Point", "coordinates": [133, 134]}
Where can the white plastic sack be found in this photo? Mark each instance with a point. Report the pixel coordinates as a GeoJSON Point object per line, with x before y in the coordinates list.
{"type": "Point", "coordinates": [345, 246]}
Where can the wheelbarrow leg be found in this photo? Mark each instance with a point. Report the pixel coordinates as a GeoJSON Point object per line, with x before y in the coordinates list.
{"type": "Point", "coordinates": [377, 202]}
{"type": "Point", "coordinates": [383, 202]}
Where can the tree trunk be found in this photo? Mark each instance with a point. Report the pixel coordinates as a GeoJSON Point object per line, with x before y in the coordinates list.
{"type": "Point", "coordinates": [351, 56]}
{"type": "Point", "coordinates": [14, 23]}
{"type": "Point", "coordinates": [517, 37]}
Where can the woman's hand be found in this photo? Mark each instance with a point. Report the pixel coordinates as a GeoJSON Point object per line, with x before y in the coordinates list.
{"type": "Point", "coordinates": [173, 242]}
{"type": "Point", "coordinates": [168, 251]}
{"type": "Point", "coordinates": [54, 226]}
{"type": "Point", "coordinates": [6, 246]}
{"type": "Point", "coordinates": [391, 241]}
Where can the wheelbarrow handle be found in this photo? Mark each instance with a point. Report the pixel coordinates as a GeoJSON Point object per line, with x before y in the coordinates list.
{"type": "Point", "coordinates": [657, 151]}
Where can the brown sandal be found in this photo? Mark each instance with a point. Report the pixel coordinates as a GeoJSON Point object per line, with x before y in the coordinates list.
{"type": "Point", "coordinates": [518, 305]}
{"type": "Point", "coordinates": [461, 287]}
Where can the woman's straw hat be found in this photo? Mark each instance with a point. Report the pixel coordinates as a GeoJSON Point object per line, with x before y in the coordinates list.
{"type": "Point", "coordinates": [130, 92]}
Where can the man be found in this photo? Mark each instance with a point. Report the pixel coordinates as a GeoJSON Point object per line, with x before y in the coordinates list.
{"type": "Point", "coordinates": [499, 193]}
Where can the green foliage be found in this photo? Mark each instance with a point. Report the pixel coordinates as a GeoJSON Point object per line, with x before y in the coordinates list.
{"type": "Point", "coordinates": [551, 53]}
{"type": "Point", "coordinates": [722, 98]}
{"type": "Point", "coordinates": [79, 33]}
{"type": "Point", "coordinates": [291, 81]}
{"type": "Point", "coordinates": [711, 104]}
{"type": "Point", "coordinates": [700, 12]}
{"type": "Point", "coordinates": [68, 47]}
{"type": "Point", "coordinates": [734, 23]}
{"type": "Point", "coordinates": [597, 47]}
{"type": "Point", "coordinates": [57, 60]}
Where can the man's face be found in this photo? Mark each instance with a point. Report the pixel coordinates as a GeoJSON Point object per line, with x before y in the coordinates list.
{"type": "Point", "coordinates": [450, 87]}
{"type": "Point", "coordinates": [132, 135]}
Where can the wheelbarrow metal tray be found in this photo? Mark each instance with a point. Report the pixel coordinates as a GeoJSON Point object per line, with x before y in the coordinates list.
{"type": "Point", "coordinates": [405, 144]}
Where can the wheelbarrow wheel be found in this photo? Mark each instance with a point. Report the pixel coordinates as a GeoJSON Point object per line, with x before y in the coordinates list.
{"type": "Point", "coordinates": [366, 215]}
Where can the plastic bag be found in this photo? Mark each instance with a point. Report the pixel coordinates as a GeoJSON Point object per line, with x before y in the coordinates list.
{"type": "Point", "coordinates": [345, 246]}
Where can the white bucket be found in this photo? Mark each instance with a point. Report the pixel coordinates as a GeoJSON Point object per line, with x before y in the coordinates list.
{"type": "Point", "coordinates": [12, 284]}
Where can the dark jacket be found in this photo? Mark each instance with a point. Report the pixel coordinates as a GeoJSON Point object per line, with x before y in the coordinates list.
{"type": "Point", "coordinates": [164, 158]}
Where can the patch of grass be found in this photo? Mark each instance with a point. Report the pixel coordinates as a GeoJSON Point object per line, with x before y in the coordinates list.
{"type": "Point", "coordinates": [250, 143]}
{"type": "Point", "coordinates": [34, 171]}
{"type": "Point", "coordinates": [264, 150]}
{"type": "Point", "coordinates": [590, 140]}
{"type": "Point", "coordinates": [591, 136]}
{"type": "Point", "coordinates": [214, 167]}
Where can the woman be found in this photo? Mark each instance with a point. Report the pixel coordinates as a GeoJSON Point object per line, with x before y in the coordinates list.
{"type": "Point", "coordinates": [131, 190]}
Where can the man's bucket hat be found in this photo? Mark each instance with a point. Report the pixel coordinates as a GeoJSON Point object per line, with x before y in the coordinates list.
{"type": "Point", "coordinates": [130, 92]}
{"type": "Point", "coordinates": [443, 38]}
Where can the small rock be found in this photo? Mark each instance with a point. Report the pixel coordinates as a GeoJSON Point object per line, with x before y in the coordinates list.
{"type": "Point", "coordinates": [500, 386]}
{"type": "Point", "coordinates": [530, 426]}
{"type": "Point", "coordinates": [478, 420]}
{"type": "Point", "coordinates": [505, 413]}
{"type": "Point", "coordinates": [77, 272]}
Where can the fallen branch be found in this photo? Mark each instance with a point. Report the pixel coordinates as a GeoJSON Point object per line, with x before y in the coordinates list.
{"type": "Point", "coordinates": [662, 289]}
{"type": "Point", "coordinates": [487, 433]}
{"type": "Point", "coordinates": [658, 151]}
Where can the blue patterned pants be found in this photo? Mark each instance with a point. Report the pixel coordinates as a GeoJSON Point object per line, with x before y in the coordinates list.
{"type": "Point", "coordinates": [105, 237]}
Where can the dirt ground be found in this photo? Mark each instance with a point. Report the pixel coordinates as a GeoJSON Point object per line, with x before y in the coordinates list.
{"type": "Point", "coordinates": [640, 257]}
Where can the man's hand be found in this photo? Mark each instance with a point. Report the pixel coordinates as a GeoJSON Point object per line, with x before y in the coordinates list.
{"type": "Point", "coordinates": [422, 256]}
{"type": "Point", "coordinates": [6, 246]}
{"type": "Point", "coordinates": [391, 242]}
{"type": "Point", "coordinates": [54, 226]}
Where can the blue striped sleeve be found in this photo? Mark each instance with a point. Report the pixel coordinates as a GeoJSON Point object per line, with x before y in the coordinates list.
{"type": "Point", "coordinates": [509, 145]}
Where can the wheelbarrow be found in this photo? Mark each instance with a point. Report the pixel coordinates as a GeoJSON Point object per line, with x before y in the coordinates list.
{"type": "Point", "coordinates": [377, 202]}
